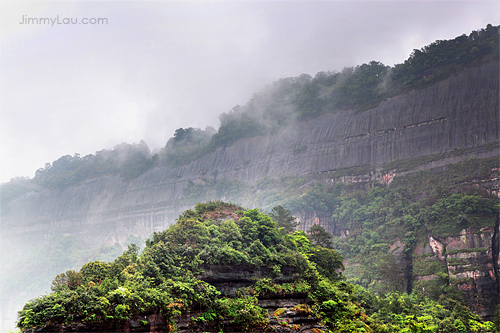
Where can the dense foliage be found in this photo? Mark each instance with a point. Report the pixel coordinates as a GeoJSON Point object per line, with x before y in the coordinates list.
{"type": "Point", "coordinates": [164, 279]}
{"type": "Point", "coordinates": [359, 88]}
{"type": "Point", "coordinates": [125, 160]}
{"type": "Point", "coordinates": [185, 146]}
{"type": "Point", "coordinates": [383, 225]}
{"type": "Point", "coordinates": [283, 218]}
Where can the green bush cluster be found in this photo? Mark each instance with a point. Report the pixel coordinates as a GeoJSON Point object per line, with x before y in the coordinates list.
{"type": "Point", "coordinates": [398, 312]}
{"type": "Point", "coordinates": [185, 146]}
{"type": "Point", "coordinates": [164, 280]}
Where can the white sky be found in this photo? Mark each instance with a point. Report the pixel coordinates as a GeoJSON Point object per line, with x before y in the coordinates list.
{"type": "Point", "coordinates": [158, 66]}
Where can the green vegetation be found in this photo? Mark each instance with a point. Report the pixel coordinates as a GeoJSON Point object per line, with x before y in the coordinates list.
{"type": "Point", "coordinates": [165, 279]}
{"type": "Point", "coordinates": [359, 88]}
{"type": "Point", "coordinates": [215, 189]}
{"type": "Point", "coordinates": [13, 190]}
{"type": "Point", "coordinates": [319, 236]}
{"type": "Point", "coordinates": [415, 313]}
{"type": "Point", "coordinates": [235, 126]}
{"type": "Point", "coordinates": [126, 160]}
{"type": "Point", "coordinates": [382, 225]}
{"type": "Point", "coordinates": [479, 249]}
{"type": "Point", "coordinates": [283, 219]}
{"type": "Point", "coordinates": [185, 146]}
{"type": "Point", "coordinates": [382, 216]}
{"type": "Point", "coordinates": [431, 183]}
{"type": "Point", "coordinates": [386, 223]}
{"type": "Point", "coordinates": [428, 267]}
{"type": "Point", "coordinates": [413, 206]}
{"type": "Point", "coordinates": [456, 261]}
{"type": "Point", "coordinates": [162, 278]}
{"type": "Point", "coordinates": [37, 265]}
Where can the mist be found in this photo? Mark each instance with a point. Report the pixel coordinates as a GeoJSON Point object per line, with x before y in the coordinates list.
{"type": "Point", "coordinates": [158, 66]}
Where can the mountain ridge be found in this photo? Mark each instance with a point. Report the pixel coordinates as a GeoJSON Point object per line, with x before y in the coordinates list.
{"type": "Point", "coordinates": [333, 141]}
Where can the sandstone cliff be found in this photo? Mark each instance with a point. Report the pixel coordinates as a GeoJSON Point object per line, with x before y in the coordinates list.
{"type": "Point", "coordinates": [461, 112]}
{"type": "Point", "coordinates": [469, 261]}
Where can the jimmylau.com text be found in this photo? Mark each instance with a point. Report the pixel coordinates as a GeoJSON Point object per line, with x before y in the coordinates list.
{"type": "Point", "coordinates": [57, 20]}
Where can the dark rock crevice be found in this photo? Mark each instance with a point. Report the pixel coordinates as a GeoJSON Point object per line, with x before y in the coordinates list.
{"type": "Point", "coordinates": [408, 272]}
{"type": "Point", "coordinates": [495, 251]}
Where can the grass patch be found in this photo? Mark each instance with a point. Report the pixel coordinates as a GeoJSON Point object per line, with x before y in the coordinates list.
{"type": "Point", "coordinates": [456, 262]}
{"type": "Point", "coordinates": [428, 267]}
{"type": "Point", "coordinates": [460, 281]}
{"type": "Point", "coordinates": [423, 256]}
{"type": "Point", "coordinates": [477, 249]}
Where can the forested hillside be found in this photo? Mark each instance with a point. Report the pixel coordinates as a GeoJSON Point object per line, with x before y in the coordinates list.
{"type": "Point", "coordinates": [169, 280]}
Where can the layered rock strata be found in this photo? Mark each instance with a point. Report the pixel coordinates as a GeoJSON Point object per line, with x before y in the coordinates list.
{"type": "Point", "coordinates": [470, 261]}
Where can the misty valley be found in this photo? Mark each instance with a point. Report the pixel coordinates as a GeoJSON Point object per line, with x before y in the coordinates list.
{"type": "Point", "coordinates": [364, 200]}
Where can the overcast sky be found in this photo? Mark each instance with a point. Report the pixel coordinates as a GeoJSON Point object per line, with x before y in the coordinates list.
{"type": "Point", "coordinates": [158, 66]}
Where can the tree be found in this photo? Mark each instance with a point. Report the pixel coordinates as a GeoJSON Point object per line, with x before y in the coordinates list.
{"type": "Point", "coordinates": [94, 271]}
{"type": "Point", "coordinates": [284, 219]}
{"type": "Point", "coordinates": [328, 261]}
{"type": "Point", "coordinates": [319, 236]}
{"type": "Point", "coordinates": [69, 280]}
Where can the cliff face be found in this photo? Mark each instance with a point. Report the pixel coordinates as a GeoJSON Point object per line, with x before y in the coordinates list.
{"type": "Point", "coordinates": [461, 112]}
{"type": "Point", "coordinates": [469, 261]}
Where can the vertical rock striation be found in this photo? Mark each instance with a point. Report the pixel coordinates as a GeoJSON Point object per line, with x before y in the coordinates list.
{"type": "Point", "coordinates": [460, 112]}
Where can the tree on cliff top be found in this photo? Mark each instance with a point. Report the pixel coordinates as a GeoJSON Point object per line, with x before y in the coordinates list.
{"type": "Point", "coordinates": [284, 219]}
{"type": "Point", "coordinates": [319, 236]}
